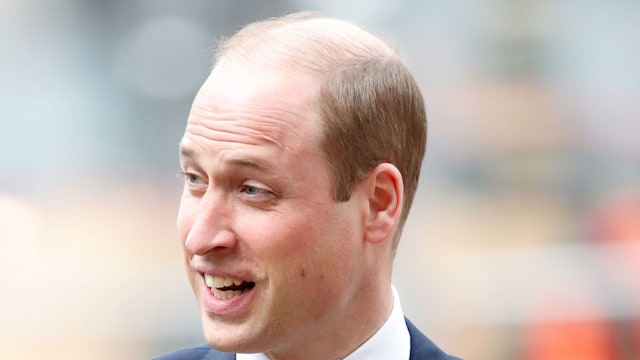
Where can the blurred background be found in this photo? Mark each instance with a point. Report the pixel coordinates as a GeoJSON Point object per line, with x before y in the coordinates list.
{"type": "Point", "coordinates": [524, 240]}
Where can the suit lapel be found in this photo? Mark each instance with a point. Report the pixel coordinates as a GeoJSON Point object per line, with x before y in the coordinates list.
{"type": "Point", "coordinates": [422, 348]}
{"type": "Point", "coordinates": [214, 354]}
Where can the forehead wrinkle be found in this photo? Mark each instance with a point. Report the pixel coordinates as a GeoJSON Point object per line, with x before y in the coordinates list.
{"type": "Point", "coordinates": [191, 150]}
{"type": "Point", "coordinates": [272, 126]}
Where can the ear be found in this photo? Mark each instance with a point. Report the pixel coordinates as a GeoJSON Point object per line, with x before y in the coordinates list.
{"type": "Point", "coordinates": [385, 191]}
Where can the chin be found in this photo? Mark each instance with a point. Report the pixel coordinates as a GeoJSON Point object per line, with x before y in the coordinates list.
{"type": "Point", "coordinates": [228, 338]}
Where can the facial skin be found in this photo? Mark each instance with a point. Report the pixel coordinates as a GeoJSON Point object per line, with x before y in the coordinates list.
{"type": "Point", "coordinates": [257, 208]}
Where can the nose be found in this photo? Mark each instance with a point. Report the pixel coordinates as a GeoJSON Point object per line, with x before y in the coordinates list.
{"type": "Point", "coordinates": [210, 226]}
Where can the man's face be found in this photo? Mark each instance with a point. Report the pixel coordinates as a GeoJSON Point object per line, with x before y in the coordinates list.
{"type": "Point", "coordinates": [272, 258]}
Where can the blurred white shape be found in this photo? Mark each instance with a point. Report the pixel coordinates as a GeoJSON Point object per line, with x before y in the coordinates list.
{"type": "Point", "coordinates": [20, 248]}
{"type": "Point", "coordinates": [164, 57]}
{"type": "Point", "coordinates": [20, 224]}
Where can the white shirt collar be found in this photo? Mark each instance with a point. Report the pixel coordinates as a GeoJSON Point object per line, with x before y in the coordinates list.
{"type": "Point", "coordinates": [391, 341]}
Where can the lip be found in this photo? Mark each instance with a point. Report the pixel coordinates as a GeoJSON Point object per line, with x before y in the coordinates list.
{"type": "Point", "coordinates": [235, 307]}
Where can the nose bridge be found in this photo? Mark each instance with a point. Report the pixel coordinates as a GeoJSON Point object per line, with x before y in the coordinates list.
{"type": "Point", "coordinates": [210, 228]}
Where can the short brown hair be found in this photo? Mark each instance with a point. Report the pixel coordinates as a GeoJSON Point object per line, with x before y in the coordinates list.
{"type": "Point", "coordinates": [372, 108]}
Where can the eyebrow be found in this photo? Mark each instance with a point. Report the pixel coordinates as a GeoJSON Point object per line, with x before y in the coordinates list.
{"type": "Point", "coordinates": [187, 152]}
{"type": "Point", "coordinates": [253, 163]}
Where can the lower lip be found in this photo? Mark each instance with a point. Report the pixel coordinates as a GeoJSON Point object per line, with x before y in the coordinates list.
{"type": "Point", "coordinates": [236, 306]}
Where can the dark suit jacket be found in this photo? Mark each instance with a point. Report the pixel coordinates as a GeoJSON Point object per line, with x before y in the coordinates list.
{"type": "Point", "coordinates": [421, 349]}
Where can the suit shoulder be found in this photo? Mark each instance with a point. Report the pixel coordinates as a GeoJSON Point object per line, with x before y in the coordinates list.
{"type": "Point", "coordinates": [424, 349]}
{"type": "Point", "coordinates": [202, 352]}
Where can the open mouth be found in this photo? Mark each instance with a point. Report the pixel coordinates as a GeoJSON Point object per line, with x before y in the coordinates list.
{"type": "Point", "coordinates": [225, 288]}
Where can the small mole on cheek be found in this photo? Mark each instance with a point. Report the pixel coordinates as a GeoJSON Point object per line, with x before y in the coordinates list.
{"type": "Point", "coordinates": [302, 273]}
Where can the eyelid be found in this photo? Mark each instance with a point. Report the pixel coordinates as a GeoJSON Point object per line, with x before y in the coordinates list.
{"type": "Point", "coordinates": [264, 190]}
{"type": "Point", "coordinates": [256, 184]}
{"type": "Point", "coordinates": [186, 173]}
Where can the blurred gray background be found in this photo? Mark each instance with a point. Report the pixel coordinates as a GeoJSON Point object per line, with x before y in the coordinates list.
{"type": "Point", "coordinates": [524, 240]}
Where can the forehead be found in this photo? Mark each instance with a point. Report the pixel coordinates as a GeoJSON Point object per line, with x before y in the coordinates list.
{"type": "Point", "coordinates": [264, 102]}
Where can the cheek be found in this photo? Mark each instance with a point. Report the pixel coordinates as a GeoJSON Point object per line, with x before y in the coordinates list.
{"type": "Point", "coordinates": [267, 232]}
{"type": "Point", "coordinates": [310, 244]}
{"type": "Point", "coordinates": [277, 239]}
{"type": "Point", "coordinates": [337, 245]}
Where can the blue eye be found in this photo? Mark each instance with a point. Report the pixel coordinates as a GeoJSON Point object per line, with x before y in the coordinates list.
{"type": "Point", "coordinates": [250, 190]}
{"type": "Point", "coordinates": [255, 190]}
{"type": "Point", "coordinates": [258, 194]}
{"type": "Point", "coordinates": [191, 178]}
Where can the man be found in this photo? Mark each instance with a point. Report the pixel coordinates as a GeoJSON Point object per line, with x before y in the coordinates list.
{"type": "Point", "coordinates": [301, 158]}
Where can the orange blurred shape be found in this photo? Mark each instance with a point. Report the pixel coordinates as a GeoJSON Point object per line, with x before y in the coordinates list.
{"type": "Point", "coordinates": [618, 220]}
{"type": "Point", "coordinates": [584, 340]}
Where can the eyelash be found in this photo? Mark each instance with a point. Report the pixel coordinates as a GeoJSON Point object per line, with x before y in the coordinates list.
{"type": "Point", "coordinates": [192, 179]}
{"type": "Point", "coordinates": [257, 190]}
{"type": "Point", "coordinates": [188, 177]}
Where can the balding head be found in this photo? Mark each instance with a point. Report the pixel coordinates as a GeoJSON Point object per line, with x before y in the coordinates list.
{"type": "Point", "coordinates": [370, 104]}
{"type": "Point", "coordinates": [305, 42]}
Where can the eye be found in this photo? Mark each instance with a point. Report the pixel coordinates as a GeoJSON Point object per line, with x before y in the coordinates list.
{"type": "Point", "coordinates": [256, 192]}
{"type": "Point", "coordinates": [191, 178]}
{"type": "Point", "coordinates": [253, 190]}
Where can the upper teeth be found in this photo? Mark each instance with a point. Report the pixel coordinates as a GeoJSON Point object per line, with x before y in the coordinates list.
{"type": "Point", "coordinates": [218, 281]}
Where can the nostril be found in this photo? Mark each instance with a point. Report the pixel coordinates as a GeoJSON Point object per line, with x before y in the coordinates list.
{"type": "Point", "coordinates": [201, 240]}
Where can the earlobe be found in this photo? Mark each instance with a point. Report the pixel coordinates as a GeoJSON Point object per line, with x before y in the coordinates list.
{"type": "Point", "coordinates": [385, 197]}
